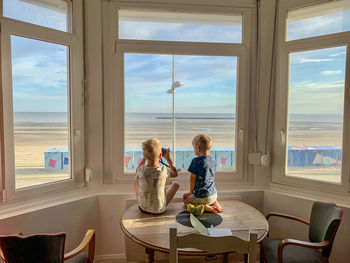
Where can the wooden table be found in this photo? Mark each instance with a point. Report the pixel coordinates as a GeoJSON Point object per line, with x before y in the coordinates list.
{"type": "Point", "coordinates": [152, 231]}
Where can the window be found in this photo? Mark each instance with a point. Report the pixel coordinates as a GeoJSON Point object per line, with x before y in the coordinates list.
{"type": "Point", "coordinates": [315, 117]}
{"type": "Point", "coordinates": [318, 20]}
{"type": "Point", "coordinates": [198, 54]}
{"type": "Point", "coordinates": [42, 87]}
{"type": "Point", "coordinates": [312, 93]}
{"type": "Point", "coordinates": [179, 26]}
{"type": "Point", "coordinates": [41, 116]}
{"type": "Point", "coordinates": [52, 14]}
{"type": "Point", "coordinates": [206, 103]}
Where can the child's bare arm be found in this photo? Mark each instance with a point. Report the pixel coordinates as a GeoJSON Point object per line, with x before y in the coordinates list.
{"type": "Point", "coordinates": [142, 162]}
{"type": "Point", "coordinates": [192, 185]}
{"type": "Point", "coordinates": [172, 166]}
{"type": "Point", "coordinates": [173, 172]}
{"type": "Point", "coordinates": [192, 182]}
{"type": "Point", "coordinates": [137, 188]}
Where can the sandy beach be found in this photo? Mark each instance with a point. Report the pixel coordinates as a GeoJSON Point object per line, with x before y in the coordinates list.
{"type": "Point", "coordinates": [31, 141]}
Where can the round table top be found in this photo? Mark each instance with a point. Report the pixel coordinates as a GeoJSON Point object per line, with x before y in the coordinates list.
{"type": "Point", "coordinates": [152, 231]}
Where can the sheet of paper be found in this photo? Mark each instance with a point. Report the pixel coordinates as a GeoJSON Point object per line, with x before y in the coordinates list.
{"type": "Point", "coordinates": [198, 225]}
{"type": "Point", "coordinates": [219, 232]}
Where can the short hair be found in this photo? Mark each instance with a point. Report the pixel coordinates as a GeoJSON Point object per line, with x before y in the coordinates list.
{"type": "Point", "coordinates": [203, 141]}
{"type": "Point", "coordinates": [151, 149]}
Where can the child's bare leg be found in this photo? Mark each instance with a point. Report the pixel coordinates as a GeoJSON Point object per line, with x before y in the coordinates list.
{"type": "Point", "coordinates": [216, 205]}
{"type": "Point", "coordinates": [210, 208]}
{"type": "Point", "coordinates": [171, 190]}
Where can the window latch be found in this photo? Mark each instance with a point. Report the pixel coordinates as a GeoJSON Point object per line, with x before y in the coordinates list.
{"type": "Point", "coordinates": [241, 133]}
{"type": "Point", "coordinates": [76, 135]}
{"type": "Point", "coordinates": [282, 137]}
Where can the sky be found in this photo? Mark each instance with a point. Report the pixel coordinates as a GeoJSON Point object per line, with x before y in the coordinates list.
{"type": "Point", "coordinates": [209, 83]}
{"type": "Point", "coordinates": [40, 69]}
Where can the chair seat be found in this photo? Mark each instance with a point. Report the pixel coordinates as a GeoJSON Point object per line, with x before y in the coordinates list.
{"type": "Point", "coordinates": [291, 254]}
{"type": "Point", "coordinates": [81, 258]}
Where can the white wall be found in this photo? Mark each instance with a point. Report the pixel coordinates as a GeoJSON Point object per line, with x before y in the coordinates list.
{"type": "Point", "coordinates": [74, 218]}
{"type": "Point", "coordinates": [103, 212]}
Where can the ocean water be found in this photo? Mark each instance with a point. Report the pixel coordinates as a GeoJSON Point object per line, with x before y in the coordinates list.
{"type": "Point", "coordinates": [21, 118]}
{"type": "Point", "coordinates": [142, 126]}
{"type": "Point", "coordinates": [160, 117]}
{"type": "Point", "coordinates": [316, 118]}
{"type": "Point", "coordinates": [295, 120]}
{"type": "Point", "coordinates": [316, 122]}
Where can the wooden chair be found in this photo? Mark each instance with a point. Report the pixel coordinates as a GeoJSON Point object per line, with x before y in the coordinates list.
{"type": "Point", "coordinates": [45, 248]}
{"type": "Point", "coordinates": [324, 222]}
{"type": "Point", "coordinates": [219, 245]}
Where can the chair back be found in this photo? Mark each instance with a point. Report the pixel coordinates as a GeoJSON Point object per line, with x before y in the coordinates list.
{"type": "Point", "coordinates": [213, 244]}
{"type": "Point", "coordinates": [33, 249]}
{"type": "Point", "coordinates": [324, 222]}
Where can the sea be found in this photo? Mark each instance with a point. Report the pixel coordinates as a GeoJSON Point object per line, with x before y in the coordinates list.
{"type": "Point", "coordinates": [40, 118]}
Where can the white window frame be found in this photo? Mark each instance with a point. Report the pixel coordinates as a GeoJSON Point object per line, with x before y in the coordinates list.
{"type": "Point", "coordinates": [281, 100]}
{"type": "Point", "coordinates": [114, 50]}
{"type": "Point", "coordinates": [74, 41]}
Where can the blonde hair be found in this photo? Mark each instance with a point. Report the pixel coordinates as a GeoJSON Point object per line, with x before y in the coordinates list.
{"type": "Point", "coordinates": [203, 141]}
{"type": "Point", "coordinates": [151, 149]}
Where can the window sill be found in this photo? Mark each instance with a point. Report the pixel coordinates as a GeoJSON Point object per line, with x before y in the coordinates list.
{"type": "Point", "coordinates": [340, 198]}
{"type": "Point", "coordinates": [184, 177]}
{"type": "Point", "coordinates": [22, 206]}
{"type": "Point", "coordinates": [232, 190]}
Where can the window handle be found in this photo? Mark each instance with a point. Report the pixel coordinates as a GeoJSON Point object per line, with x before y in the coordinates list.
{"type": "Point", "coordinates": [76, 135]}
{"type": "Point", "coordinates": [282, 137]}
{"type": "Point", "coordinates": [241, 133]}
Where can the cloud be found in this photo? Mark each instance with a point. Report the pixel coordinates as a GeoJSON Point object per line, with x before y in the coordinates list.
{"type": "Point", "coordinates": [40, 75]}
{"type": "Point", "coordinates": [330, 72]}
{"type": "Point", "coordinates": [318, 25]}
{"type": "Point", "coordinates": [323, 98]}
{"type": "Point", "coordinates": [35, 14]}
{"type": "Point", "coordinates": [319, 56]}
{"type": "Point", "coordinates": [164, 31]}
{"type": "Point", "coordinates": [337, 54]}
{"type": "Point", "coordinates": [316, 86]}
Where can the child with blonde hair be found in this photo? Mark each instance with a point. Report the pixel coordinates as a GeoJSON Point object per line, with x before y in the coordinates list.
{"type": "Point", "coordinates": [202, 185]}
{"type": "Point", "coordinates": [152, 192]}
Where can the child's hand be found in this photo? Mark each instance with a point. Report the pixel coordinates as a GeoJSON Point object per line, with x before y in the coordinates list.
{"type": "Point", "coordinates": [185, 196]}
{"type": "Point", "coordinates": [167, 154]}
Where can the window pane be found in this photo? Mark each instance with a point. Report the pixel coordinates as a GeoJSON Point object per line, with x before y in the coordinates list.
{"type": "Point", "coordinates": [318, 20]}
{"type": "Point", "coordinates": [54, 14]}
{"type": "Point", "coordinates": [176, 26]}
{"type": "Point", "coordinates": [206, 103]}
{"type": "Point", "coordinates": [40, 96]}
{"type": "Point", "coordinates": [316, 104]}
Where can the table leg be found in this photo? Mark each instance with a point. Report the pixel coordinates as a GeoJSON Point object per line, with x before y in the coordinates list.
{"type": "Point", "coordinates": [149, 255]}
{"type": "Point", "coordinates": [225, 258]}
{"type": "Point", "coordinates": [245, 258]}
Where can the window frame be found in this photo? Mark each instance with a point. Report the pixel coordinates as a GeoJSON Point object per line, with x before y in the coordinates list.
{"type": "Point", "coordinates": [284, 48]}
{"type": "Point", "coordinates": [114, 50]}
{"type": "Point", "coordinates": [75, 93]}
